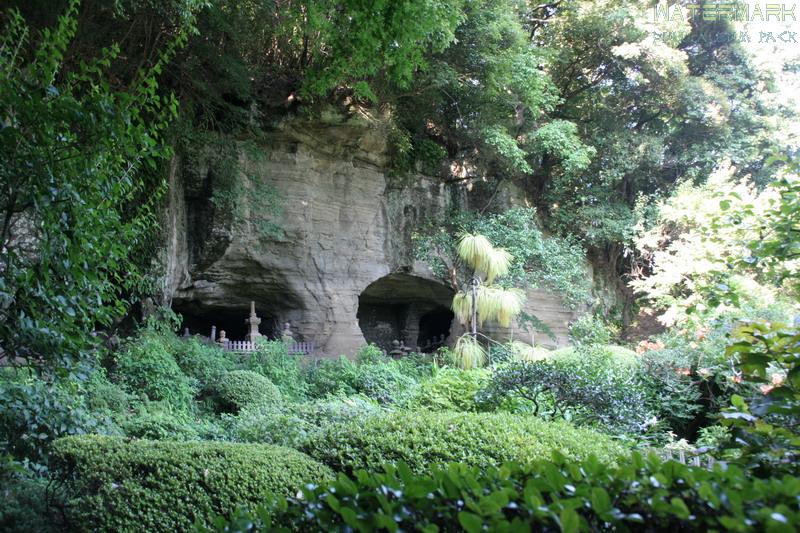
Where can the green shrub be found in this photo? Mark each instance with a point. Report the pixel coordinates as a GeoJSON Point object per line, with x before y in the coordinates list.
{"type": "Point", "coordinates": [113, 484]}
{"type": "Point", "coordinates": [27, 504]}
{"type": "Point", "coordinates": [240, 388]}
{"type": "Point", "coordinates": [272, 359]}
{"type": "Point", "coordinates": [328, 377]}
{"type": "Point", "coordinates": [385, 380]}
{"type": "Point", "coordinates": [640, 494]}
{"type": "Point", "coordinates": [766, 429]}
{"type": "Point", "coordinates": [369, 353]}
{"type": "Point", "coordinates": [156, 421]}
{"type": "Point", "coordinates": [424, 438]}
{"type": "Point", "coordinates": [203, 362]}
{"type": "Point", "coordinates": [293, 424]}
{"type": "Point", "coordinates": [146, 365]}
{"type": "Point", "coordinates": [159, 425]}
{"type": "Point", "coordinates": [590, 330]}
{"type": "Point", "coordinates": [103, 396]}
{"type": "Point", "coordinates": [34, 412]}
{"type": "Point", "coordinates": [450, 389]}
{"type": "Point", "coordinates": [417, 365]}
{"type": "Point", "coordinates": [587, 392]}
{"type": "Point", "coordinates": [671, 393]}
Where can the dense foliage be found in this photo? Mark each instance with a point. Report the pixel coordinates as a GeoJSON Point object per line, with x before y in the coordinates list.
{"type": "Point", "coordinates": [648, 167]}
{"type": "Point", "coordinates": [79, 185]}
{"type": "Point", "coordinates": [585, 392]}
{"type": "Point", "coordinates": [558, 495]}
{"type": "Point", "coordinates": [547, 262]}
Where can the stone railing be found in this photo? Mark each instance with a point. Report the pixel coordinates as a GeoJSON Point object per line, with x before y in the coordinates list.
{"type": "Point", "coordinates": [295, 348]}
{"type": "Point", "coordinates": [238, 346]}
{"type": "Point", "coordinates": [303, 348]}
{"type": "Point", "coordinates": [688, 458]}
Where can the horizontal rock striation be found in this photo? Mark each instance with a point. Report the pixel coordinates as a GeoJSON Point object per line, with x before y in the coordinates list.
{"type": "Point", "coordinates": [344, 224]}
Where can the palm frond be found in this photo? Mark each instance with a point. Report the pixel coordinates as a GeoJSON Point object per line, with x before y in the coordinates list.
{"type": "Point", "coordinates": [468, 353]}
{"type": "Point", "coordinates": [510, 305]}
{"type": "Point", "coordinates": [475, 250]}
{"type": "Point", "coordinates": [462, 307]}
{"type": "Point", "coordinates": [488, 304]}
{"type": "Point", "coordinates": [498, 264]}
{"type": "Point", "coordinates": [525, 352]}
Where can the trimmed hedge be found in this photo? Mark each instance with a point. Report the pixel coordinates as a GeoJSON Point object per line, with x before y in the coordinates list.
{"type": "Point", "coordinates": [115, 484]}
{"type": "Point", "coordinates": [240, 388]}
{"type": "Point", "coordinates": [422, 439]}
{"type": "Point", "coordinates": [559, 495]}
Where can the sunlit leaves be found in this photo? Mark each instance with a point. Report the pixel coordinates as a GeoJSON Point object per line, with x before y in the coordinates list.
{"type": "Point", "coordinates": [79, 189]}
{"type": "Point", "coordinates": [475, 250]}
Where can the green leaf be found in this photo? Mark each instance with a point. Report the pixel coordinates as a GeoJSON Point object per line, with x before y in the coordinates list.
{"type": "Point", "coordinates": [601, 503]}
{"type": "Point", "coordinates": [569, 521]}
{"type": "Point", "coordinates": [472, 523]}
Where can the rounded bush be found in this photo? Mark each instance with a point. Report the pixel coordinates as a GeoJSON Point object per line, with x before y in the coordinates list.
{"type": "Point", "coordinates": [423, 439]}
{"type": "Point", "coordinates": [609, 355]}
{"type": "Point", "coordinates": [240, 388]}
{"type": "Point", "coordinates": [114, 484]}
{"type": "Point", "coordinates": [384, 383]}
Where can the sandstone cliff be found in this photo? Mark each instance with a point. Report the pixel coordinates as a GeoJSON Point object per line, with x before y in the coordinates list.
{"type": "Point", "coordinates": [341, 269]}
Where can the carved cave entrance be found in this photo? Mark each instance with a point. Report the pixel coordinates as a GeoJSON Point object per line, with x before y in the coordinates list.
{"type": "Point", "coordinates": [199, 318]}
{"type": "Point", "coordinates": [407, 308]}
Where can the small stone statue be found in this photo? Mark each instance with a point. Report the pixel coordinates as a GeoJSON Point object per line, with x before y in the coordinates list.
{"type": "Point", "coordinates": [286, 334]}
{"type": "Point", "coordinates": [406, 349]}
{"type": "Point", "coordinates": [186, 333]}
{"type": "Point", "coordinates": [222, 338]}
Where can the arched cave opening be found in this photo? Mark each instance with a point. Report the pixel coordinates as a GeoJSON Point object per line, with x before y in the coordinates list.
{"type": "Point", "coordinates": [434, 328]}
{"type": "Point", "coordinates": [200, 318]}
{"type": "Point", "coordinates": [406, 308]}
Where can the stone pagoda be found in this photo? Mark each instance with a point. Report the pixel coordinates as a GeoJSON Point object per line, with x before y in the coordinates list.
{"type": "Point", "coordinates": [253, 321]}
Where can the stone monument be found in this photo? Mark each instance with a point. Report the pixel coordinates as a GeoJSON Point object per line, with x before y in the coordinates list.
{"type": "Point", "coordinates": [396, 352]}
{"type": "Point", "coordinates": [253, 321]}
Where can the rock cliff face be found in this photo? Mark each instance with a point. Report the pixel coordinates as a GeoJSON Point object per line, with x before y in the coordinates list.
{"type": "Point", "coordinates": [340, 270]}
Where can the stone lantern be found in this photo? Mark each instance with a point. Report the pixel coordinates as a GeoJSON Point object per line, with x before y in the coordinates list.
{"type": "Point", "coordinates": [253, 321]}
